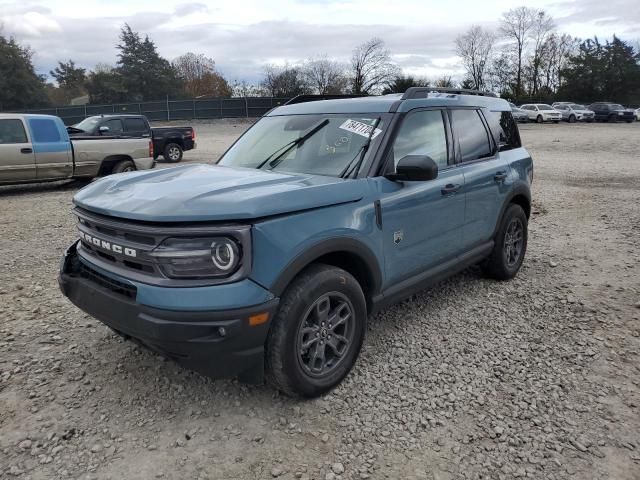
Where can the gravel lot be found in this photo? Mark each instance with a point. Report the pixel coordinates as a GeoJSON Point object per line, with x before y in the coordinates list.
{"type": "Point", "coordinates": [538, 377]}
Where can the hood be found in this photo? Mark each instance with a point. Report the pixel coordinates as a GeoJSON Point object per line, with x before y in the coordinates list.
{"type": "Point", "coordinates": [213, 193]}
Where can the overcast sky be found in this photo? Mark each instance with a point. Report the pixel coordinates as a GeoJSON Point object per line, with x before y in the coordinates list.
{"type": "Point", "coordinates": [241, 36]}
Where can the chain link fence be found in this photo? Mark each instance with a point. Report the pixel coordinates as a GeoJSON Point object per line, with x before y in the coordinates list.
{"type": "Point", "coordinates": [169, 110]}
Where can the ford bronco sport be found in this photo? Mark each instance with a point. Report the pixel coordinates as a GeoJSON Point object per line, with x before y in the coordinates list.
{"type": "Point", "coordinates": [322, 213]}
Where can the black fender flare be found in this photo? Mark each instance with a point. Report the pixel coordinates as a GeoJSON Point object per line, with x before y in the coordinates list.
{"type": "Point", "coordinates": [348, 245]}
{"type": "Point", "coordinates": [520, 188]}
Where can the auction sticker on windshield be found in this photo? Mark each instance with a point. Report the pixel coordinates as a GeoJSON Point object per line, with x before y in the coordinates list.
{"type": "Point", "coordinates": [360, 128]}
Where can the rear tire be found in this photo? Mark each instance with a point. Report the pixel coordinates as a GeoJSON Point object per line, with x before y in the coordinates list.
{"type": "Point", "coordinates": [172, 153]}
{"type": "Point", "coordinates": [124, 166]}
{"type": "Point", "coordinates": [572, 119]}
{"type": "Point", "coordinates": [539, 119]}
{"type": "Point", "coordinates": [317, 333]}
{"type": "Point", "coordinates": [510, 245]}
{"type": "Point", "coordinates": [612, 119]}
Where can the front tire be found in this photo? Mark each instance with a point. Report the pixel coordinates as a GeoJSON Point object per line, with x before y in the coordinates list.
{"type": "Point", "coordinates": [539, 119]}
{"type": "Point", "coordinates": [173, 153]}
{"type": "Point", "coordinates": [510, 245]}
{"type": "Point", "coordinates": [317, 333]}
{"type": "Point", "coordinates": [572, 119]}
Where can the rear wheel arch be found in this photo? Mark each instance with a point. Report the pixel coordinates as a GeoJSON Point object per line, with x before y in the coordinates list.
{"type": "Point", "coordinates": [348, 254]}
{"type": "Point", "coordinates": [108, 163]}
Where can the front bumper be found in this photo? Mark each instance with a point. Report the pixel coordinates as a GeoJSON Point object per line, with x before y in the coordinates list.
{"type": "Point", "coordinates": [216, 343]}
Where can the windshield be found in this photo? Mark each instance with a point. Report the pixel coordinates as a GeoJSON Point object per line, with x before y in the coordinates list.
{"type": "Point", "coordinates": [87, 124]}
{"type": "Point", "coordinates": [575, 106]}
{"type": "Point", "coordinates": [334, 143]}
{"type": "Point", "coordinates": [615, 106]}
{"type": "Point", "coordinates": [544, 106]}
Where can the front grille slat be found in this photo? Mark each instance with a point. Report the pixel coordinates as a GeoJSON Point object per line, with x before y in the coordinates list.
{"type": "Point", "coordinates": [109, 283]}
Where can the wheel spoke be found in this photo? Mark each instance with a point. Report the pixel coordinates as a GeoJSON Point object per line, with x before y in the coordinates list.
{"type": "Point", "coordinates": [309, 343]}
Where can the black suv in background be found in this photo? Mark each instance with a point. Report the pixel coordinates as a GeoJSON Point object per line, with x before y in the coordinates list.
{"type": "Point", "coordinates": [611, 112]}
{"type": "Point", "coordinates": [170, 142]}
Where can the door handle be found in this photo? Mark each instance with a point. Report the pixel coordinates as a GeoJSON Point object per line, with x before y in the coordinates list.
{"type": "Point", "coordinates": [26, 150]}
{"type": "Point", "coordinates": [450, 188]}
{"type": "Point", "coordinates": [500, 176]}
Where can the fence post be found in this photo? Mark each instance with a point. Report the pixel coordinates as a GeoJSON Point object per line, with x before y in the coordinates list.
{"type": "Point", "coordinates": [194, 108]}
{"type": "Point", "coordinates": [85, 110]}
{"type": "Point", "coordinates": [220, 101]}
{"type": "Point", "coordinates": [168, 113]}
{"type": "Point", "coordinates": [246, 106]}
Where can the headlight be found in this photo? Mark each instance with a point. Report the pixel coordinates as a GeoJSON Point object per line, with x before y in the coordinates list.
{"type": "Point", "coordinates": [194, 258]}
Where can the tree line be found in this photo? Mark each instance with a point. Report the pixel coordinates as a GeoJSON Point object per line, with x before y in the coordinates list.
{"type": "Point", "coordinates": [525, 58]}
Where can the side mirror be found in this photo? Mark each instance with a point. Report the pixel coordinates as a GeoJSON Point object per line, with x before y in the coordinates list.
{"type": "Point", "coordinates": [415, 168]}
{"type": "Point", "coordinates": [104, 129]}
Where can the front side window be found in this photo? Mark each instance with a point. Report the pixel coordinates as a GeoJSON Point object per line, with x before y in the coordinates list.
{"type": "Point", "coordinates": [88, 124]}
{"type": "Point", "coordinates": [115, 125]}
{"type": "Point", "coordinates": [333, 143]}
{"type": "Point", "coordinates": [12, 131]}
{"type": "Point", "coordinates": [44, 130]}
{"type": "Point", "coordinates": [422, 133]}
{"type": "Point", "coordinates": [472, 135]}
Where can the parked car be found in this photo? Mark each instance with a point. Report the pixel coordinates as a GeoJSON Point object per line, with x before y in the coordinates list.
{"type": "Point", "coordinates": [637, 112]}
{"type": "Point", "coordinates": [541, 112]}
{"type": "Point", "coordinates": [556, 104]}
{"type": "Point", "coordinates": [37, 148]}
{"type": "Point", "coordinates": [573, 112]}
{"type": "Point", "coordinates": [319, 215]}
{"type": "Point", "coordinates": [170, 142]}
{"type": "Point", "coordinates": [519, 115]}
{"type": "Point", "coordinates": [612, 112]}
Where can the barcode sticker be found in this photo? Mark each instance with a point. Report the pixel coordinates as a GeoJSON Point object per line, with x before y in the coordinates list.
{"type": "Point", "coordinates": [360, 128]}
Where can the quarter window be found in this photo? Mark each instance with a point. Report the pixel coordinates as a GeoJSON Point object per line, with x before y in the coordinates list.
{"type": "Point", "coordinates": [472, 135]}
{"type": "Point", "coordinates": [44, 130]}
{"type": "Point", "coordinates": [422, 133]}
{"type": "Point", "coordinates": [12, 131]}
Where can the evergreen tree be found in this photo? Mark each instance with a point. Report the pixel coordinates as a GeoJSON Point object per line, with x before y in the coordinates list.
{"type": "Point", "coordinates": [20, 86]}
{"type": "Point", "coordinates": [145, 74]}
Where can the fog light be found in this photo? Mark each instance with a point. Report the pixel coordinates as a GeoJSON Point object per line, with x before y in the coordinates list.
{"type": "Point", "coordinates": [222, 331]}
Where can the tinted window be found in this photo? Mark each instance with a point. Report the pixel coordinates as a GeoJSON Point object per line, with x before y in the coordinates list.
{"type": "Point", "coordinates": [422, 133]}
{"type": "Point", "coordinates": [12, 131]}
{"type": "Point", "coordinates": [135, 125]}
{"type": "Point", "coordinates": [509, 136]}
{"type": "Point", "coordinates": [44, 130]}
{"type": "Point", "coordinates": [115, 125]}
{"type": "Point", "coordinates": [472, 135]}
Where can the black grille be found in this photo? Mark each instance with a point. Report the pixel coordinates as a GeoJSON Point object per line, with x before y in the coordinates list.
{"type": "Point", "coordinates": [106, 282]}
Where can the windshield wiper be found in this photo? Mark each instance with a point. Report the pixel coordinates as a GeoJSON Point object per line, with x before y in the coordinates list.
{"type": "Point", "coordinates": [298, 141]}
{"type": "Point", "coordinates": [347, 171]}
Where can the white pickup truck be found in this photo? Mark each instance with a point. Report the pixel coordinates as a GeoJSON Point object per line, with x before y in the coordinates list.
{"type": "Point", "coordinates": [37, 148]}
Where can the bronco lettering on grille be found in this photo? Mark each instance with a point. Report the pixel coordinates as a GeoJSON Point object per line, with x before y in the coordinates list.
{"type": "Point", "coordinates": [112, 247]}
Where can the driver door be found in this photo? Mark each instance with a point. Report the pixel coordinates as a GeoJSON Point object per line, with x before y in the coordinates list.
{"type": "Point", "coordinates": [422, 221]}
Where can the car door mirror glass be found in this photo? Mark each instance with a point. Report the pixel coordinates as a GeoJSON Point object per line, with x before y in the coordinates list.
{"type": "Point", "coordinates": [103, 129]}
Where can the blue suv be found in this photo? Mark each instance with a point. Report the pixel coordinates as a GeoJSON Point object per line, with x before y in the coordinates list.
{"type": "Point", "coordinates": [322, 213]}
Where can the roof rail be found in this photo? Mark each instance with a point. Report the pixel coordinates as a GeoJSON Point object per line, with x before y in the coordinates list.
{"type": "Point", "coordinates": [313, 98]}
{"type": "Point", "coordinates": [422, 92]}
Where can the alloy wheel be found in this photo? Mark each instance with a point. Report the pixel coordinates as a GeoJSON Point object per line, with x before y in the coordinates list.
{"type": "Point", "coordinates": [513, 242]}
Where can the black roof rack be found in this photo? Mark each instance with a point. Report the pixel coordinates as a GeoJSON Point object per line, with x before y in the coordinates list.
{"type": "Point", "coordinates": [313, 98]}
{"type": "Point", "coordinates": [422, 92]}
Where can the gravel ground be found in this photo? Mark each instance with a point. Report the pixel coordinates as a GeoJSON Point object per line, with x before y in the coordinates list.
{"type": "Point", "coordinates": [537, 377]}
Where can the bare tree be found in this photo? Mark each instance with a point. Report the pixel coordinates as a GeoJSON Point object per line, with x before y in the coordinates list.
{"type": "Point", "coordinates": [371, 67]}
{"type": "Point", "coordinates": [444, 81]}
{"type": "Point", "coordinates": [543, 26]}
{"type": "Point", "coordinates": [325, 76]}
{"type": "Point", "coordinates": [286, 81]}
{"type": "Point", "coordinates": [246, 89]}
{"type": "Point", "coordinates": [475, 47]}
{"type": "Point", "coordinates": [516, 25]}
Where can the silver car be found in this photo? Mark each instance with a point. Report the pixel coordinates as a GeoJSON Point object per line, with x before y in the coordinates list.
{"type": "Point", "coordinates": [574, 112]}
{"type": "Point", "coordinates": [519, 115]}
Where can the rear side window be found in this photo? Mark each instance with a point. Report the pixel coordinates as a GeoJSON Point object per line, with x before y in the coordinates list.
{"type": "Point", "coordinates": [44, 130]}
{"type": "Point", "coordinates": [509, 135]}
{"type": "Point", "coordinates": [134, 125]}
{"type": "Point", "coordinates": [422, 133]}
{"type": "Point", "coordinates": [472, 135]}
{"type": "Point", "coordinates": [12, 131]}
